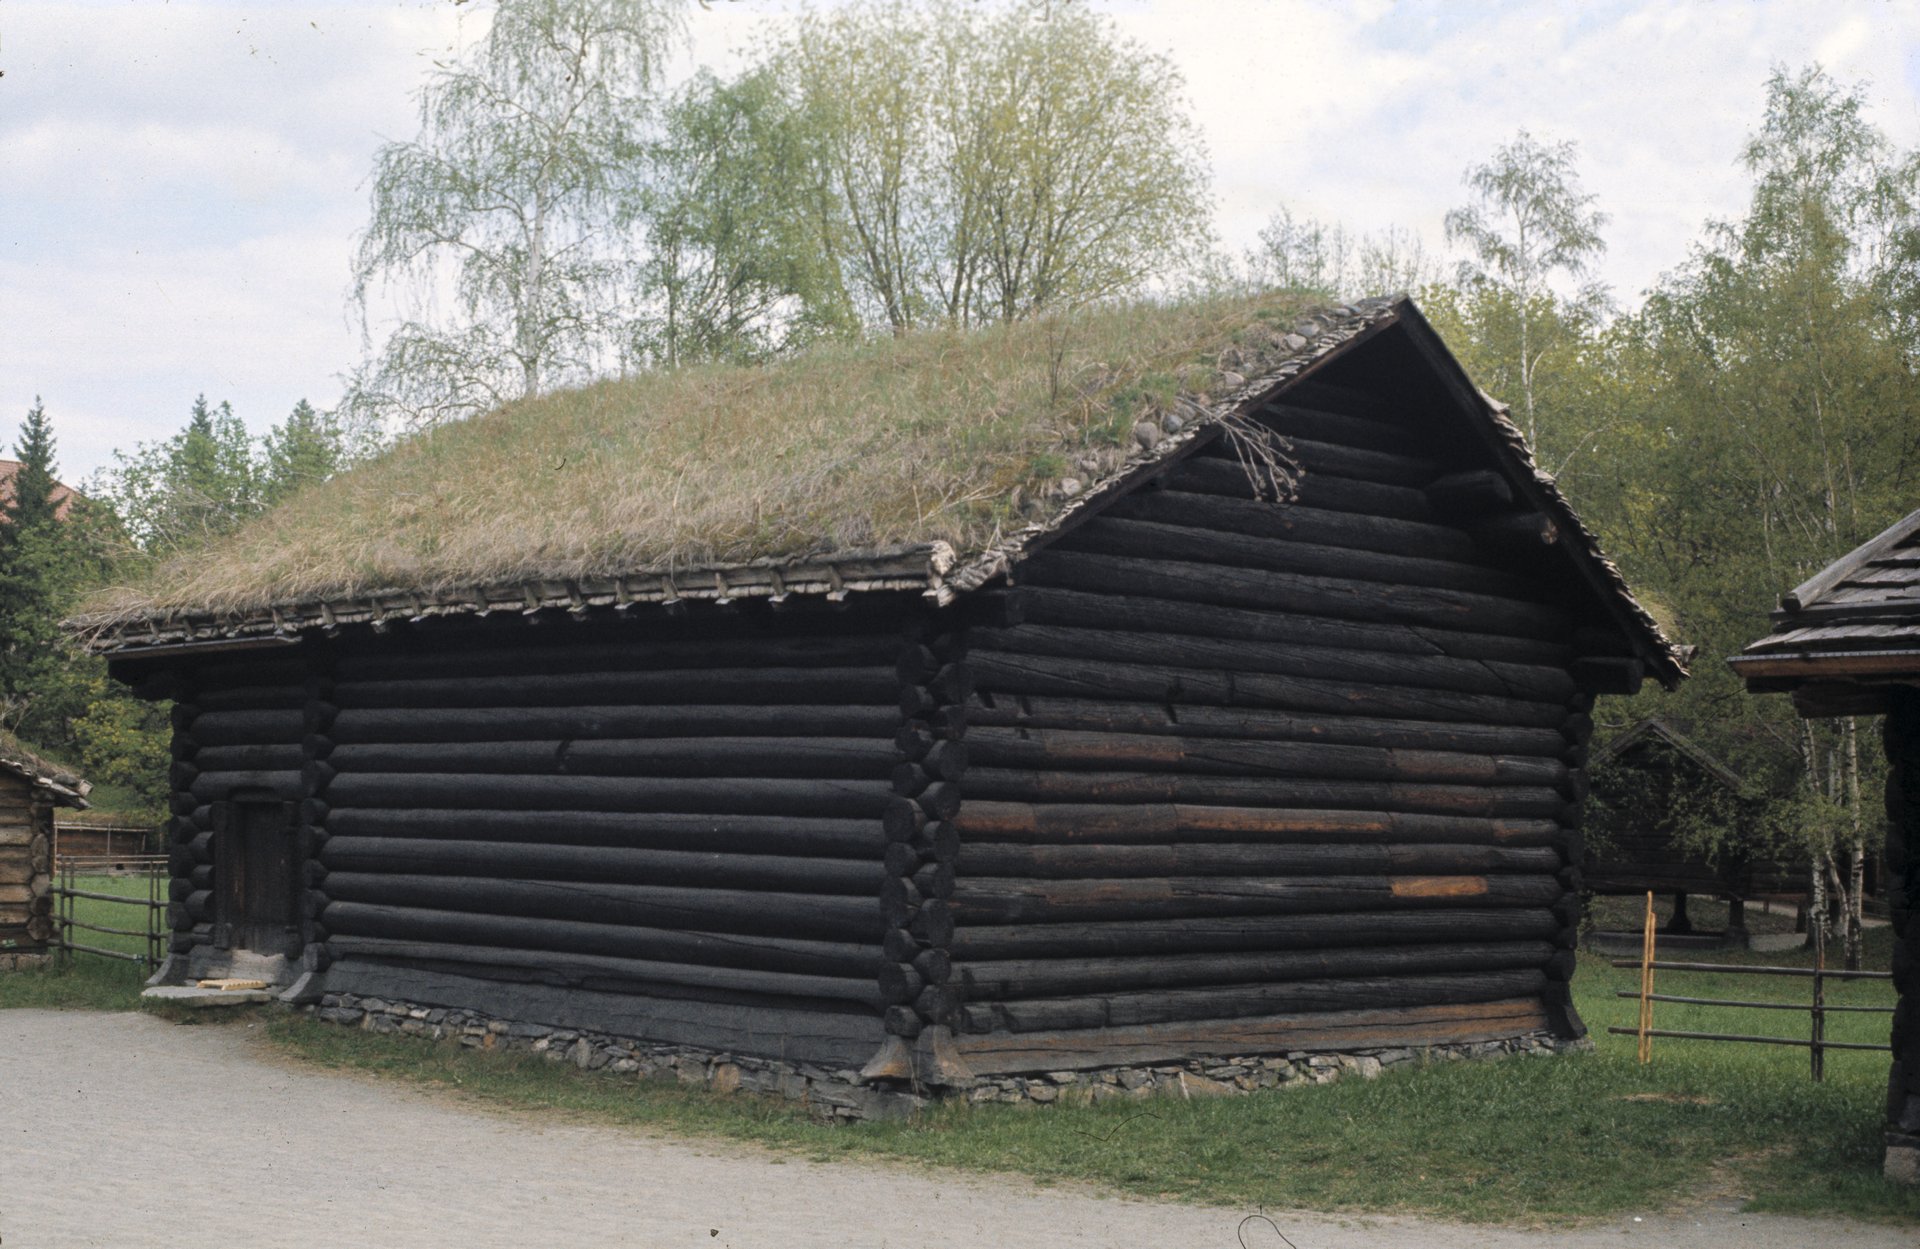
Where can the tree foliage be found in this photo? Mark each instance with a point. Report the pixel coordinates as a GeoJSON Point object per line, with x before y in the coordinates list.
{"type": "Point", "coordinates": [511, 201]}
{"type": "Point", "coordinates": [1326, 259]}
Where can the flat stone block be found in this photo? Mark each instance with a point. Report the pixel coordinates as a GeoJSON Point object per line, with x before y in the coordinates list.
{"type": "Point", "coordinates": [206, 999]}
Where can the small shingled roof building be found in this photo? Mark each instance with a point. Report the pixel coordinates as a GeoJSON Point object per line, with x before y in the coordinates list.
{"type": "Point", "coordinates": [1162, 684]}
{"type": "Point", "coordinates": [1847, 643]}
{"type": "Point", "coordinates": [30, 788]}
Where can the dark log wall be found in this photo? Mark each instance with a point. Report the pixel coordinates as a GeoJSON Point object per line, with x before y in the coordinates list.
{"type": "Point", "coordinates": [26, 868]}
{"type": "Point", "coordinates": [672, 832]}
{"type": "Point", "coordinates": [1252, 777]}
{"type": "Point", "coordinates": [237, 733]}
{"type": "Point", "coordinates": [1903, 897]}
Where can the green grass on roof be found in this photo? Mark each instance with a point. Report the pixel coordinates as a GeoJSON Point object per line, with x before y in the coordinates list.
{"type": "Point", "coordinates": [940, 435]}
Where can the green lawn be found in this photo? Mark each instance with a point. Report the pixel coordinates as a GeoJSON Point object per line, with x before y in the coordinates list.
{"type": "Point", "coordinates": [90, 982]}
{"type": "Point", "coordinates": [1521, 1140]}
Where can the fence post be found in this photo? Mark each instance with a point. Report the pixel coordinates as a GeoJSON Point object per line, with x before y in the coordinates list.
{"type": "Point", "coordinates": [1819, 1006]}
{"type": "Point", "coordinates": [1646, 984]}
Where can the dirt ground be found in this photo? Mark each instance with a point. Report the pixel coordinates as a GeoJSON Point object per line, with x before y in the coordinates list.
{"type": "Point", "coordinates": [122, 1130]}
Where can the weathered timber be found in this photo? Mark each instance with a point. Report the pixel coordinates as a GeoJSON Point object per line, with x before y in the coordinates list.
{"type": "Point", "coordinates": [1208, 475]}
{"type": "Point", "coordinates": [836, 1034]}
{"type": "Point", "coordinates": [526, 861]}
{"type": "Point", "coordinates": [1041, 786]}
{"type": "Point", "coordinates": [1325, 456]}
{"type": "Point", "coordinates": [1168, 823]}
{"type": "Point", "coordinates": [1009, 1052]}
{"type": "Point", "coordinates": [1223, 756]}
{"type": "Point", "coordinates": [244, 728]}
{"type": "Point", "coordinates": [1470, 494]}
{"type": "Point", "coordinates": [257, 757]}
{"type": "Point", "coordinates": [642, 973]}
{"type": "Point", "coordinates": [1296, 417]}
{"type": "Point", "coordinates": [816, 757]}
{"type": "Point", "coordinates": [1229, 586]}
{"type": "Point", "coordinates": [994, 980]}
{"type": "Point", "coordinates": [1122, 1010]}
{"type": "Point", "coordinates": [1525, 536]}
{"type": "Point", "coordinates": [637, 653]}
{"type": "Point", "coordinates": [712, 686]}
{"type": "Point", "coordinates": [811, 916]}
{"type": "Point", "coordinates": [1386, 575]}
{"type": "Point", "coordinates": [1035, 713]}
{"type": "Point", "coordinates": [1597, 674]}
{"type": "Point", "coordinates": [249, 698]}
{"type": "Point", "coordinates": [595, 720]}
{"type": "Point", "coordinates": [1283, 658]}
{"type": "Point", "coordinates": [213, 786]}
{"type": "Point", "coordinates": [1006, 672]}
{"type": "Point", "coordinates": [731, 795]}
{"type": "Point", "coordinates": [997, 900]}
{"type": "Point", "coordinates": [1095, 860]}
{"type": "Point", "coordinates": [1352, 530]}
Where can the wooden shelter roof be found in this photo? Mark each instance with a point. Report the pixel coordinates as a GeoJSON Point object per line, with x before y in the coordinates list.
{"type": "Point", "coordinates": [1653, 728]}
{"type": "Point", "coordinates": [1249, 367]}
{"type": "Point", "coordinates": [1855, 623]}
{"type": "Point", "coordinates": [62, 786]}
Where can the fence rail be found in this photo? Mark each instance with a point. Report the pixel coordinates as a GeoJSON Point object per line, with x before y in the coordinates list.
{"type": "Point", "coordinates": [1817, 1009]}
{"type": "Point", "coordinates": [70, 869]}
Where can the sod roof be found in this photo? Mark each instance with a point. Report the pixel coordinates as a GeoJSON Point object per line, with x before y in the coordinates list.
{"type": "Point", "coordinates": [62, 785]}
{"type": "Point", "coordinates": [929, 462]}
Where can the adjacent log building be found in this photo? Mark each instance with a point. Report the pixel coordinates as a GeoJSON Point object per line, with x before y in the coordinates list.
{"type": "Point", "coordinates": [1847, 643]}
{"type": "Point", "coordinates": [1262, 731]}
{"type": "Point", "coordinates": [30, 789]}
{"type": "Point", "coordinates": [1652, 783]}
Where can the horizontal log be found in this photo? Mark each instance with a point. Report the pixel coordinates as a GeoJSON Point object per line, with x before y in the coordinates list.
{"type": "Point", "coordinates": [1477, 492]}
{"type": "Point", "coordinates": [1006, 979]}
{"type": "Point", "coordinates": [1005, 672]}
{"type": "Point", "coordinates": [1098, 787]}
{"type": "Point", "coordinates": [816, 757]}
{"type": "Point", "coordinates": [592, 719]}
{"type": "Point", "coordinates": [999, 900]}
{"type": "Point", "coordinates": [1396, 1026]}
{"type": "Point", "coordinates": [1337, 597]}
{"type": "Point", "coordinates": [720, 834]}
{"type": "Point", "coordinates": [1166, 823]}
{"type": "Point", "coordinates": [524, 861]}
{"type": "Point", "coordinates": [642, 973]}
{"type": "Point", "coordinates": [713, 795]}
{"type": "Point", "coordinates": [872, 685]}
{"type": "Point", "coordinates": [1096, 861]}
{"type": "Point", "coordinates": [1529, 537]}
{"type": "Point", "coordinates": [243, 728]}
{"type": "Point", "coordinates": [248, 698]}
{"type": "Point", "coordinates": [1300, 419]}
{"type": "Point", "coordinates": [812, 916]}
{"type": "Point", "coordinates": [1608, 675]}
{"type": "Point", "coordinates": [1196, 721]}
{"type": "Point", "coordinates": [1122, 1010]}
{"type": "Point", "coordinates": [1210, 475]}
{"type": "Point", "coordinates": [259, 756]}
{"type": "Point", "coordinates": [1282, 658]}
{"type": "Point", "coordinates": [1225, 756]}
{"type": "Point", "coordinates": [1387, 466]}
{"type": "Point", "coordinates": [1498, 596]}
{"type": "Point", "coordinates": [1255, 518]}
{"type": "Point", "coordinates": [639, 652]}
{"type": "Point", "coordinates": [211, 787]}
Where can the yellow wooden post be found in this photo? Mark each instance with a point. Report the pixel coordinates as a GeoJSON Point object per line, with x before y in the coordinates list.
{"type": "Point", "coordinates": [1646, 984]}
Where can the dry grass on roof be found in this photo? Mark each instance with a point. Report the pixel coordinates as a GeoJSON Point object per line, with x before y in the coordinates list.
{"type": "Point", "coordinates": [935, 436]}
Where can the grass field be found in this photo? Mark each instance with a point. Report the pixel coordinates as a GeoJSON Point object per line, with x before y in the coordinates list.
{"type": "Point", "coordinates": [1521, 1140]}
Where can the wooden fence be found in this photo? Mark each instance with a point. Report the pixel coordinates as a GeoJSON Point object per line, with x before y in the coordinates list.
{"type": "Point", "coordinates": [1816, 1043]}
{"type": "Point", "coordinates": [148, 911]}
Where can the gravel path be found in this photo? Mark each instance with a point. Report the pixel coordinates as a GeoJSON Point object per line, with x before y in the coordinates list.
{"type": "Point", "coordinates": [94, 1151]}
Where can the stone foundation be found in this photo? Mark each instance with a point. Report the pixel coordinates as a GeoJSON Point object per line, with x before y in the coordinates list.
{"type": "Point", "coordinates": [21, 960]}
{"type": "Point", "coordinates": [841, 1094]}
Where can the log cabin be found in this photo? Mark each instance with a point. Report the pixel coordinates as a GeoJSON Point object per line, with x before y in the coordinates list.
{"type": "Point", "coordinates": [1653, 786]}
{"type": "Point", "coordinates": [1847, 643]}
{"type": "Point", "coordinates": [30, 789]}
{"type": "Point", "coordinates": [1192, 680]}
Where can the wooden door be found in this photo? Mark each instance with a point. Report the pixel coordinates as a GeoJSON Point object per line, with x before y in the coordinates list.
{"type": "Point", "coordinates": [257, 877]}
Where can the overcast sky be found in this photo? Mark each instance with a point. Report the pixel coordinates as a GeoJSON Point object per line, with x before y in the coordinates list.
{"type": "Point", "coordinates": [180, 183]}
